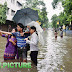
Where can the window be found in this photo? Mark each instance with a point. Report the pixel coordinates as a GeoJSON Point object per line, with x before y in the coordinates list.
{"type": "Point", "coordinates": [7, 12]}
{"type": "Point", "coordinates": [12, 12]}
{"type": "Point", "coordinates": [12, 1]}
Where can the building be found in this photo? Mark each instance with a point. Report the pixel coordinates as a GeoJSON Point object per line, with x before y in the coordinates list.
{"type": "Point", "coordinates": [13, 6]}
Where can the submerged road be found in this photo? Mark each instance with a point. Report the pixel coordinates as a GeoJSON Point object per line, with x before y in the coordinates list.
{"type": "Point", "coordinates": [55, 56]}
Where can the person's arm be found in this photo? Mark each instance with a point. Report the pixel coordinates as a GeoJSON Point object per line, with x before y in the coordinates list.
{"type": "Point", "coordinates": [0, 34]}
{"type": "Point", "coordinates": [34, 41]}
{"type": "Point", "coordinates": [14, 34]}
{"type": "Point", "coordinates": [4, 35]}
{"type": "Point", "coordinates": [5, 32]}
{"type": "Point", "coordinates": [27, 32]}
{"type": "Point", "coordinates": [13, 42]}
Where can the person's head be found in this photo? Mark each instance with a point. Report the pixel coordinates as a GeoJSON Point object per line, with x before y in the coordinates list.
{"type": "Point", "coordinates": [14, 30]}
{"type": "Point", "coordinates": [55, 30]}
{"type": "Point", "coordinates": [20, 27]}
{"type": "Point", "coordinates": [32, 29]}
{"type": "Point", "coordinates": [10, 26]}
{"type": "Point", "coordinates": [28, 26]}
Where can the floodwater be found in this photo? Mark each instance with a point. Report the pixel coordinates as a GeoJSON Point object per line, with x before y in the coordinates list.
{"type": "Point", "coordinates": [55, 56]}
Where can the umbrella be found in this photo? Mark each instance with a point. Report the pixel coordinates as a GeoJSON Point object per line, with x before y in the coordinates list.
{"type": "Point", "coordinates": [36, 24]}
{"type": "Point", "coordinates": [25, 16]}
{"type": "Point", "coordinates": [39, 31]}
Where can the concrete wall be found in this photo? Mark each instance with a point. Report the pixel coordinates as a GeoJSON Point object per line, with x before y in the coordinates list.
{"type": "Point", "coordinates": [13, 6]}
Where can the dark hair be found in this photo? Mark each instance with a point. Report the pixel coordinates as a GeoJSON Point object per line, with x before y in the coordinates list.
{"type": "Point", "coordinates": [10, 36]}
{"type": "Point", "coordinates": [55, 30]}
{"type": "Point", "coordinates": [34, 28]}
{"type": "Point", "coordinates": [21, 25]}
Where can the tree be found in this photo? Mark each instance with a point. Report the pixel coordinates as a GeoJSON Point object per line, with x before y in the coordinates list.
{"type": "Point", "coordinates": [63, 19]}
{"type": "Point", "coordinates": [3, 9]}
{"type": "Point", "coordinates": [43, 18]}
{"type": "Point", "coordinates": [54, 20]}
{"type": "Point", "coordinates": [35, 4]}
{"type": "Point", "coordinates": [55, 3]}
{"type": "Point", "coordinates": [67, 5]}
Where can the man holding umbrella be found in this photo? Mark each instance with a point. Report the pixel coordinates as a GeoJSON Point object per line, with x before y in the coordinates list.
{"type": "Point", "coordinates": [23, 17]}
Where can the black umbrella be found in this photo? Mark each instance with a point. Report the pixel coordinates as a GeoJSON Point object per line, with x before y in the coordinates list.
{"type": "Point", "coordinates": [25, 16]}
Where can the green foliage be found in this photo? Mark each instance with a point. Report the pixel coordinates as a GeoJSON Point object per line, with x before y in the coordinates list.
{"type": "Point", "coordinates": [54, 20]}
{"type": "Point", "coordinates": [43, 17]}
{"type": "Point", "coordinates": [34, 4]}
{"type": "Point", "coordinates": [67, 4]}
{"type": "Point", "coordinates": [55, 3]}
{"type": "Point", "coordinates": [3, 16]}
{"type": "Point", "coordinates": [66, 16]}
{"type": "Point", "coordinates": [69, 18]}
{"type": "Point", "coordinates": [63, 19]}
{"type": "Point", "coordinates": [50, 25]}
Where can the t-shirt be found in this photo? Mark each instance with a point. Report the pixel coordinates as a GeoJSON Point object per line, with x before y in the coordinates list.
{"type": "Point", "coordinates": [20, 39]}
{"type": "Point", "coordinates": [61, 34]}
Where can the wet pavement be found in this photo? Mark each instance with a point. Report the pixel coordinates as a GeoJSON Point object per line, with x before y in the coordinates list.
{"type": "Point", "coordinates": [55, 56]}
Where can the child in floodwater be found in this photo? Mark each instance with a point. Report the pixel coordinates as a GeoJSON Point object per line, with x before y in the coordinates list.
{"type": "Point", "coordinates": [56, 34]}
{"type": "Point", "coordinates": [61, 33]}
{"type": "Point", "coordinates": [10, 50]}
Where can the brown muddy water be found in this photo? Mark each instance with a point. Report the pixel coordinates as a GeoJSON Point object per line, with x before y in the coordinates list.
{"type": "Point", "coordinates": [55, 56]}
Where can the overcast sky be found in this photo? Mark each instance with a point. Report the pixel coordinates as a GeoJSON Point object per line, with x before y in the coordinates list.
{"type": "Point", "coordinates": [50, 10]}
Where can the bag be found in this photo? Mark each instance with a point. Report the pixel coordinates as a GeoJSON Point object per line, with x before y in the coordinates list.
{"type": "Point", "coordinates": [27, 46]}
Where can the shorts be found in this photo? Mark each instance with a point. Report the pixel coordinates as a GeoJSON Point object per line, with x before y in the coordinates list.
{"type": "Point", "coordinates": [55, 36]}
{"type": "Point", "coordinates": [22, 52]}
{"type": "Point", "coordinates": [61, 36]}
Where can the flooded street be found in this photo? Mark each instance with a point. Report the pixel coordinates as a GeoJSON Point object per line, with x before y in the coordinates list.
{"type": "Point", "coordinates": [55, 56]}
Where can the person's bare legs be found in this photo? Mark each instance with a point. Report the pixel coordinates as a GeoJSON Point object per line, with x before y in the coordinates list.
{"type": "Point", "coordinates": [24, 60]}
{"type": "Point", "coordinates": [20, 59]}
{"type": "Point", "coordinates": [24, 55]}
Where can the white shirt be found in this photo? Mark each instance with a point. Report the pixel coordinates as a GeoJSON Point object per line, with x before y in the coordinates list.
{"type": "Point", "coordinates": [33, 42]}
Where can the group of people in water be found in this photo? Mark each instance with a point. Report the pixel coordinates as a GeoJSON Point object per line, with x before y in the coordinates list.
{"type": "Point", "coordinates": [56, 33]}
{"type": "Point", "coordinates": [18, 43]}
